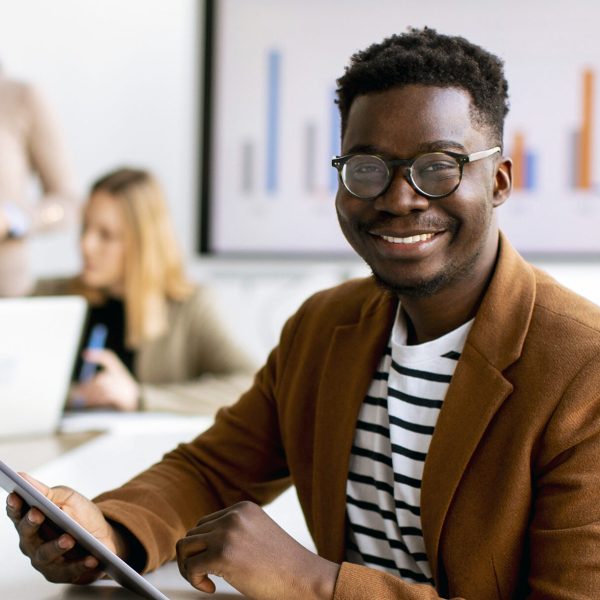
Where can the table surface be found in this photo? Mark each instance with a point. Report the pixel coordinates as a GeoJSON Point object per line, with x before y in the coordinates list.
{"type": "Point", "coordinates": [27, 453]}
{"type": "Point", "coordinates": [116, 456]}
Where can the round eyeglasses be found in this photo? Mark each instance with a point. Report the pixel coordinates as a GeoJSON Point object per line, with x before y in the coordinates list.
{"type": "Point", "coordinates": [433, 175]}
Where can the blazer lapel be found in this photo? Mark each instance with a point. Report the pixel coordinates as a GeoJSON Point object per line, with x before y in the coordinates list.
{"type": "Point", "coordinates": [475, 394]}
{"type": "Point", "coordinates": [477, 390]}
{"type": "Point", "coordinates": [354, 354]}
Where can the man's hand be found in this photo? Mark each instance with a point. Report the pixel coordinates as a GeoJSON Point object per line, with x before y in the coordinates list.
{"type": "Point", "coordinates": [52, 552]}
{"type": "Point", "coordinates": [250, 551]}
{"type": "Point", "coordinates": [113, 386]}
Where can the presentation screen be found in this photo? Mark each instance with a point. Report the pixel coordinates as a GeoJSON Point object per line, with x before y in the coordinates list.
{"type": "Point", "coordinates": [271, 125]}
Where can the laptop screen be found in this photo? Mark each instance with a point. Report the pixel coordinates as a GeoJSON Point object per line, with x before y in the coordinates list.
{"type": "Point", "coordinates": [38, 347]}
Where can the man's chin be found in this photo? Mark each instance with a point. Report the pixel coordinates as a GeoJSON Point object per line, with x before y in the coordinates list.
{"type": "Point", "coordinates": [421, 288]}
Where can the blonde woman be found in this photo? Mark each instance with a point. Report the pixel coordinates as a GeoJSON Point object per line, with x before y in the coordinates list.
{"type": "Point", "coordinates": [165, 348]}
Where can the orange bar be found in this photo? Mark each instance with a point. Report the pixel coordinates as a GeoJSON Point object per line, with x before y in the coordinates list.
{"type": "Point", "coordinates": [518, 156]}
{"type": "Point", "coordinates": [585, 164]}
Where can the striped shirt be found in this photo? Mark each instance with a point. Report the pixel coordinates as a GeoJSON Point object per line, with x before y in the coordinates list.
{"type": "Point", "coordinates": [393, 433]}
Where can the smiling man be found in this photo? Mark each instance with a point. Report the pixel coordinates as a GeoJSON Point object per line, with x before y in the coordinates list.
{"type": "Point", "coordinates": [440, 420]}
{"type": "Point", "coordinates": [427, 230]}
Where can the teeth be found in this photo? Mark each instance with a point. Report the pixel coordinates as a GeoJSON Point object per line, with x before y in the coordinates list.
{"type": "Point", "coordinates": [413, 239]}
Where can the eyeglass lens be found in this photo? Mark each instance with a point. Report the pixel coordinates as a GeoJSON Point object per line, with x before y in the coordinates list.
{"type": "Point", "coordinates": [435, 174]}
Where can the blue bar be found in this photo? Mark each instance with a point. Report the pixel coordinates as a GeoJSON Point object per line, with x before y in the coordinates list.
{"type": "Point", "coordinates": [334, 141]}
{"type": "Point", "coordinates": [273, 106]}
{"type": "Point", "coordinates": [530, 171]}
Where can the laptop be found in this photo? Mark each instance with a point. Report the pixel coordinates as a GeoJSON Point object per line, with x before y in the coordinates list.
{"type": "Point", "coordinates": [39, 340]}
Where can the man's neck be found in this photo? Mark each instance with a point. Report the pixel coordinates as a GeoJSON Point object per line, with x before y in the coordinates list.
{"type": "Point", "coordinates": [431, 317]}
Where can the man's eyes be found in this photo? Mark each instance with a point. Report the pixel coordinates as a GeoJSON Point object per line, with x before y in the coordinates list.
{"type": "Point", "coordinates": [439, 165]}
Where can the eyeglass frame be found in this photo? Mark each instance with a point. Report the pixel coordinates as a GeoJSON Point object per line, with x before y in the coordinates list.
{"type": "Point", "coordinates": [339, 162]}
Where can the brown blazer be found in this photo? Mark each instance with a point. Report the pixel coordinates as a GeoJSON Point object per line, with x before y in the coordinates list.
{"type": "Point", "coordinates": [511, 488]}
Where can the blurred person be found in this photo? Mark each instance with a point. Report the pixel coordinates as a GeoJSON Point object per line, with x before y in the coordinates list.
{"type": "Point", "coordinates": [166, 348]}
{"type": "Point", "coordinates": [31, 144]}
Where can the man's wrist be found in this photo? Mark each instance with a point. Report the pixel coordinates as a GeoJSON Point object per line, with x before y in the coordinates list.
{"type": "Point", "coordinates": [322, 583]}
{"type": "Point", "coordinates": [127, 547]}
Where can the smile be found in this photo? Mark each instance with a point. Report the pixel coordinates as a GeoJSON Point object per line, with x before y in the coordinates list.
{"type": "Point", "coordinates": [413, 239]}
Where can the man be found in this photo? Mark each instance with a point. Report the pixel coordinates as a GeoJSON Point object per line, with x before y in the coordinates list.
{"type": "Point", "coordinates": [441, 423]}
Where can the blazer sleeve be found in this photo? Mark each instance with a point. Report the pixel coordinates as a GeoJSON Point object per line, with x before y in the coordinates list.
{"type": "Point", "coordinates": [356, 582]}
{"type": "Point", "coordinates": [241, 457]}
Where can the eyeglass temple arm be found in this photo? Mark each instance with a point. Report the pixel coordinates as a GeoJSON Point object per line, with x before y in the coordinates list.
{"type": "Point", "coordinates": [483, 153]}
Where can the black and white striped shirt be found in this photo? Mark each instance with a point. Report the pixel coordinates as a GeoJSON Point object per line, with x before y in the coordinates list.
{"type": "Point", "coordinates": [393, 433]}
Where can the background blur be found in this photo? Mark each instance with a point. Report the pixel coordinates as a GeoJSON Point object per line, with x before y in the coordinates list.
{"type": "Point", "coordinates": [125, 77]}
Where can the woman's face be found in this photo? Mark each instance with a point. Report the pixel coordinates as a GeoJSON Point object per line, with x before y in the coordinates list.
{"type": "Point", "coordinates": [103, 244]}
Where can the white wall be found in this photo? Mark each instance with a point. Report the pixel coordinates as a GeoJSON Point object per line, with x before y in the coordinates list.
{"type": "Point", "coordinates": [123, 77]}
{"type": "Point", "coordinates": [121, 74]}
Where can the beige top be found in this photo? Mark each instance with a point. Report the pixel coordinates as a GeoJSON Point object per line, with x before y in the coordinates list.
{"type": "Point", "coordinates": [30, 143]}
{"type": "Point", "coordinates": [194, 367]}
{"type": "Point", "coordinates": [509, 498]}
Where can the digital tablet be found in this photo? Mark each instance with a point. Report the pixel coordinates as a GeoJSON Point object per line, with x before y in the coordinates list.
{"type": "Point", "coordinates": [119, 570]}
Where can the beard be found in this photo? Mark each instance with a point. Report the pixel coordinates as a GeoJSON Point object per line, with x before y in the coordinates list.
{"type": "Point", "coordinates": [428, 287]}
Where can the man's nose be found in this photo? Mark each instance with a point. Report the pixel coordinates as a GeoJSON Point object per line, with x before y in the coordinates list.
{"type": "Point", "coordinates": [400, 198]}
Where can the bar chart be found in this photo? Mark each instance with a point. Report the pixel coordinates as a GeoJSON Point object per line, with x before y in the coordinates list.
{"type": "Point", "coordinates": [277, 126]}
{"type": "Point", "coordinates": [582, 167]}
{"type": "Point", "coordinates": [524, 163]}
{"type": "Point", "coordinates": [318, 177]}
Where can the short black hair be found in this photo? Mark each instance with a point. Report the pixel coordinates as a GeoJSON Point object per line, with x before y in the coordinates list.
{"type": "Point", "coordinates": [426, 57]}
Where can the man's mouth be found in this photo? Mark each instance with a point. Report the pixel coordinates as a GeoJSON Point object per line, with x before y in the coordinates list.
{"type": "Point", "coordinates": [411, 239]}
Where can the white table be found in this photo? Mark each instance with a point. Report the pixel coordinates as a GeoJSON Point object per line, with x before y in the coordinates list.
{"type": "Point", "coordinates": [101, 462]}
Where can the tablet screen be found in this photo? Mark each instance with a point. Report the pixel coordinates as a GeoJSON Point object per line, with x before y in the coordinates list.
{"type": "Point", "coordinates": [119, 570]}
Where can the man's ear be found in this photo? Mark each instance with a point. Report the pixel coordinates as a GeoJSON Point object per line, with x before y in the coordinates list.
{"type": "Point", "coordinates": [502, 181]}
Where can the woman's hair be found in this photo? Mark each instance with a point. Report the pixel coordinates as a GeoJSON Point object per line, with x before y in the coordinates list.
{"type": "Point", "coordinates": [154, 270]}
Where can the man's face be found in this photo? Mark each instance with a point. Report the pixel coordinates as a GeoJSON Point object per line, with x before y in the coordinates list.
{"type": "Point", "coordinates": [414, 245]}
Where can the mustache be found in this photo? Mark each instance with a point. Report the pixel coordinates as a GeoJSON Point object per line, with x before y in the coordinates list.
{"type": "Point", "coordinates": [411, 221]}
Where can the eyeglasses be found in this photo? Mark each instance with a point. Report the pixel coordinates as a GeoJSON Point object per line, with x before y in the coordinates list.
{"type": "Point", "coordinates": [433, 175]}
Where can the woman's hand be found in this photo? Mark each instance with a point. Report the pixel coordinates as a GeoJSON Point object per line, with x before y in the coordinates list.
{"type": "Point", "coordinates": [250, 551]}
{"type": "Point", "coordinates": [113, 386]}
{"type": "Point", "coordinates": [53, 553]}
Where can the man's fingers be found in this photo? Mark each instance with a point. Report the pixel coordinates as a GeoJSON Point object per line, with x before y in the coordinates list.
{"type": "Point", "coordinates": [190, 545]}
{"type": "Point", "coordinates": [42, 487]}
{"type": "Point", "coordinates": [14, 507]}
{"type": "Point", "coordinates": [82, 570]}
{"type": "Point", "coordinates": [28, 526]}
{"type": "Point", "coordinates": [192, 568]}
{"type": "Point", "coordinates": [59, 494]}
{"type": "Point", "coordinates": [56, 549]}
{"type": "Point", "coordinates": [203, 583]}
{"type": "Point", "coordinates": [212, 517]}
